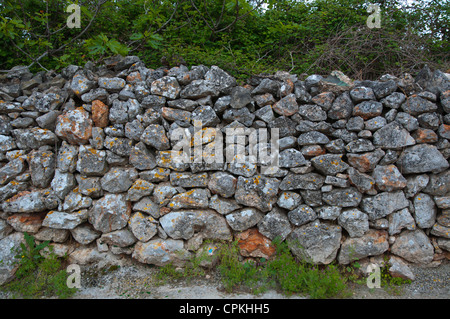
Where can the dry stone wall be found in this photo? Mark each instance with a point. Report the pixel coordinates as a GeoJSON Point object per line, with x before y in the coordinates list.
{"type": "Point", "coordinates": [87, 162]}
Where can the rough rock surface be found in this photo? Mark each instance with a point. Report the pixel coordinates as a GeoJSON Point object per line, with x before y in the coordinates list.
{"type": "Point", "coordinates": [114, 157]}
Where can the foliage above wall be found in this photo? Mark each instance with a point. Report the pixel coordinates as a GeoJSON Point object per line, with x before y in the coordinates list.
{"type": "Point", "coordinates": [243, 37]}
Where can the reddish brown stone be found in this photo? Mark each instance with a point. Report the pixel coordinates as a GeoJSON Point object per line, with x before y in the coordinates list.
{"type": "Point", "coordinates": [312, 150]}
{"type": "Point", "coordinates": [134, 77]}
{"type": "Point", "coordinates": [100, 113]}
{"type": "Point", "coordinates": [423, 135]}
{"type": "Point", "coordinates": [253, 244]}
{"type": "Point", "coordinates": [29, 223]}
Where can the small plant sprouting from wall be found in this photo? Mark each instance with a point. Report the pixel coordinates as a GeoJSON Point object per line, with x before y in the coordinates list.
{"type": "Point", "coordinates": [39, 273]}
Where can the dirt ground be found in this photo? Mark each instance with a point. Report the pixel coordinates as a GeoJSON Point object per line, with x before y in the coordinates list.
{"type": "Point", "coordinates": [136, 281]}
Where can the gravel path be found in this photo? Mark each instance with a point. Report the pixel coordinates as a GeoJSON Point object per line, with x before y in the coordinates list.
{"type": "Point", "coordinates": [137, 281]}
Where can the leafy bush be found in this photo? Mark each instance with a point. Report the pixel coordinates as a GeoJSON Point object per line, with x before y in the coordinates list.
{"type": "Point", "coordinates": [243, 37]}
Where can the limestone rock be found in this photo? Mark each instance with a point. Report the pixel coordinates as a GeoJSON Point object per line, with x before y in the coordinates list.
{"type": "Point", "coordinates": [372, 243]}
{"type": "Point", "coordinates": [414, 246]}
{"type": "Point", "coordinates": [315, 242]}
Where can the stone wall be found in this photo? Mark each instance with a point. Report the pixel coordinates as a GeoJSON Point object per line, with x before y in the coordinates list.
{"type": "Point", "coordinates": [86, 162]}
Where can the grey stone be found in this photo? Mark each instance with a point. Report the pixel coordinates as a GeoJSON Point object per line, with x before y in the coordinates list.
{"type": "Point", "coordinates": [166, 86]}
{"type": "Point", "coordinates": [355, 123]}
{"type": "Point", "coordinates": [146, 205]}
{"type": "Point", "coordinates": [312, 138]}
{"type": "Point", "coordinates": [416, 105]}
{"type": "Point", "coordinates": [354, 221]}
{"type": "Point", "coordinates": [154, 135]}
{"type": "Point", "coordinates": [368, 109]}
{"type": "Point", "coordinates": [394, 100]}
{"type": "Point", "coordinates": [372, 243]}
{"type": "Point", "coordinates": [240, 97]}
{"type": "Point", "coordinates": [362, 94]}
{"type": "Point", "coordinates": [429, 120]}
{"type": "Point", "coordinates": [195, 198]}
{"type": "Point", "coordinates": [359, 146]}
{"type": "Point", "coordinates": [363, 182]}
{"type": "Point", "coordinates": [422, 158]}
{"type": "Point", "coordinates": [375, 123]}
{"type": "Point", "coordinates": [440, 230]}
{"type": "Point", "coordinates": [118, 179]}
{"type": "Point", "coordinates": [91, 162]}
{"type": "Point", "coordinates": [111, 84]}
{"type": "Point", "coordinates": [141, 157]}
{"type": "Point", "coordinates": [221, 80]}
{"type": "Point", "coordinates": [341, 108]}
{"type": "Point", "coordinates": [242, 115]}
{"type": "Point", "coordinates": [424, 210]}
{"type": "Point", "coordinates": [316, 242]}
{"type": "Point", "coordinates": [25, 202]}
{"type": "Point", "coordinates": [143, 227]}
{"type": "Point", "coordinates": [392, 136]}
{"type": "Point", "coordinates": [258, 191]}
{"type": "Point", "coordinates": [139, 189]}
{"type": "Point", "coordinates": [185, 223]}
{"type": "Point", "coordinates": [398, 268]}
{"type": "Point", "coordinates": [161, 252]}
{"type": "Point", "coordinates": [291, 158]}
{"type": "Point", "coordinates": [7, 254]}
{"type": "Point", "coordinates": [223, 184]}
{"type": "Point", "coordinates": [399, 220]}
{"type": "Point", "coordinates": [10, 170]}
{"type": "Point", "coordinates": [343, 197]}
{"type": "Point", "coordinates": [388, 178]}
{"type": "Point", "coordinates": [414, 246]}
{"type": "Point", "coordinates": [158, 174]}
{"type": "Point", "coordinates": [33, 138]}
{"type": "Point", "coordinates": [266, 86]}
{"type": "Point", "coordinates": [329, 212]}
{"type": "Point", "coordinates": [206, 115]}
{"type": "Point", "coordinates": [244, 218]}
{"type": "Point", "coordinates": [63, 183]}
{"type": "Point", "coordinates": [85, 234]}
{"type": "Point", "coordinates": [301, 215]}
{"type": "Point", "coordinates": [275, 225]}
{"type": "Point", "coordinates": [289, 200]}
{"type": "Point", "coordinates": [189, 180]}
{"type": "Point", "coordinates": [62, 220]}
{"type": "Point", "coordinates": [223, 205]}
{"type": "Point", "coordinates": [81, 84]}
{"type": "Point", "coordinates": [384, 204]}
{"type": "Point", "coordinates": [163, 192]}
{"type": "Point", "coordinates": [6, 143]}
{"type": "Point", "coordinates": [120, 238]}
{"type": "Point", "coordinates": [110, 213]}
{"type": "Point", "coordinates": [198, 89]}
{"type": "Point", "coordinates": [329, 164]}
{"type": "Point", "coordinates": [66, 160]}
{"type": "Point", "coordinates": [310, 181]}
{"type": "Point", "coordinates": [54, 235]}
{"type": "Point", "coordinates": [42, 168]}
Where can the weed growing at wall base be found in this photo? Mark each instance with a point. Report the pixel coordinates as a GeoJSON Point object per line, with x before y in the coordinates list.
{"type": "Point", "coordinates": [39, 273]}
